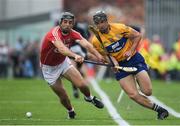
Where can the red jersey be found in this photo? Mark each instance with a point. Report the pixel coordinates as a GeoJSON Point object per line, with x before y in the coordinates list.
{"type": "Point", "coordinates": [49, 53]}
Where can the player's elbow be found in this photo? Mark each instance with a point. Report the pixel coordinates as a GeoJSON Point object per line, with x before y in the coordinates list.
{"type": "Point", "coordinates": [64, 51]}
{"type": "Point", "coordinates": [147, 91]}
{"type": "Point", "coordinates": [61, 50]}
{"type": "Point", "coordinates": [136, 36]}
{"type": "Point", "coordinates": [139, 35]}
{"type": "Point", "coordinates": [88, 47]}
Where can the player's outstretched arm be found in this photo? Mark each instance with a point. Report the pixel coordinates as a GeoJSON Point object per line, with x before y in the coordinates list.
{"type": "Point", "coordinates": [66, 51]}
{"type": "Point", "coordinates": [91, 49]}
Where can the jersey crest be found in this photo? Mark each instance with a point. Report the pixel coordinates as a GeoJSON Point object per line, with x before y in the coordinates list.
{"type": "Point", "coordinates": [116, 46]}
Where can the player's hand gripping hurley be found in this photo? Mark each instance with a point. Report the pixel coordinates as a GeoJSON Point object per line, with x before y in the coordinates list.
{"type": "Point", "coordinates": [127, 69]}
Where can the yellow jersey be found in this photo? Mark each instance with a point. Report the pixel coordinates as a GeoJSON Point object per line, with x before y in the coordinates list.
{"type": "Point", "coordinates": [115, 42]}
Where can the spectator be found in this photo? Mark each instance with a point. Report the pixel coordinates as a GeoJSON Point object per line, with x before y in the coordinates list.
{"type": "Point", "coordinates": [4, 60]}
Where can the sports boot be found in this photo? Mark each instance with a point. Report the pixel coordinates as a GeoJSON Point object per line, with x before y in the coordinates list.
{"type": "Point", "coordinates": [162, 113]}
{"type": "Point", "coordinates": [96, 102]}
{"type": "Point", "coordinates": [71, 115]}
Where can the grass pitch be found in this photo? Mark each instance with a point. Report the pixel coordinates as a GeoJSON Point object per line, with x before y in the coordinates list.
{"type": "Point", "coordinates": [20, 96]}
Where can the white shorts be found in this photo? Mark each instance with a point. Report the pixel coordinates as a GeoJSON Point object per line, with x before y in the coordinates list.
{"type": "Point", "coordinates": [52, 73]}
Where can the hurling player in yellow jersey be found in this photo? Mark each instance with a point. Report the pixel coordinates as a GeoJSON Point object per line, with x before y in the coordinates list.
{"type": "Point", "coordinates": [121, 42]}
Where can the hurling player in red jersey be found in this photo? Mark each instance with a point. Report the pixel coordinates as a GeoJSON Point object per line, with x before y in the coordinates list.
{"type": "Point", "coordinates": [56, 64]}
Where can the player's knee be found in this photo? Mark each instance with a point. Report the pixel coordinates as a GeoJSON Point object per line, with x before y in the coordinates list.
{"type": "Point", "coordinates": [80, 84]}
{"type": "Point", "coordinates": [133, 95]}
{"type": "Point", "coordinates": [148, 92]}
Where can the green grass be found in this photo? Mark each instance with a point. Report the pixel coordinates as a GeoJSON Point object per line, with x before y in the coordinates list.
{"type": "Point", "coordinates": [20, 96]}
{"type": "Point", "coordinates": [168, 93]}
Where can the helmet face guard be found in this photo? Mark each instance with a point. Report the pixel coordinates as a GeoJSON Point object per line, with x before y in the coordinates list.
{"type": "Point", "coordinates": [99, 17]}
{"type": "Point", "coordinates": [66, 15]}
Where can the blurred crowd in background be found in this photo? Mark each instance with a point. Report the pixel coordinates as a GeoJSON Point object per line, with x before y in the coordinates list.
{"type": "Point", "coordinates": [163, 63]}
{"type": "Point", "coordinates": [21, 60]}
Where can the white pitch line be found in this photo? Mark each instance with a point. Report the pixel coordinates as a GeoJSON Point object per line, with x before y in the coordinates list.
{"type": "Point", "coordinates": [120, 96]}
{"type": "Point", "coordinates": [170, 110]}
{"type": "Point", "coordinates": [111, 109]}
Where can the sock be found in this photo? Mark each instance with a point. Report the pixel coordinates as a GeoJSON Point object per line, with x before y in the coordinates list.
{"type": "Point", "coordinates": [89, 97]}
{"type": "Point", "coordinates": [156, 107]}
{"type": "Point", "coordinates": [71, 110]}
